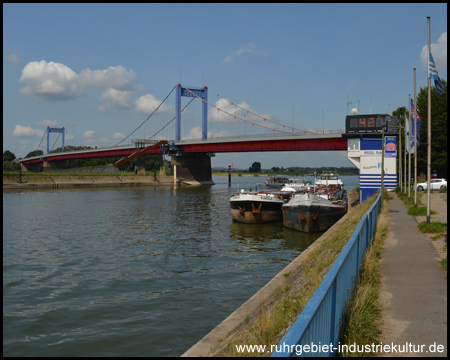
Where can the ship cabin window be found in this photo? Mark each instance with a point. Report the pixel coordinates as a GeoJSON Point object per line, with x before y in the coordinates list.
{"type": "Point", "coordinates": [328, 177]}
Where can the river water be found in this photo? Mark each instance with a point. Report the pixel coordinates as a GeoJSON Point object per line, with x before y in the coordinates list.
{"type": "Point", "coordinates": [131, 271]}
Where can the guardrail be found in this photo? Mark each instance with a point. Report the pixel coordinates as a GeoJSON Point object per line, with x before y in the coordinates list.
{"type": "Point", "coordinates": [317, 327]}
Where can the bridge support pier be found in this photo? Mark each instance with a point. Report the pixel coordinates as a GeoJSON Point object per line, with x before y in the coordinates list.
{"type": "Point", "coordinates": [54, 165]}
{"type": "Point", "coordinates": [36, 167]}
{"type": "Point", "coordinates": [192, 169]}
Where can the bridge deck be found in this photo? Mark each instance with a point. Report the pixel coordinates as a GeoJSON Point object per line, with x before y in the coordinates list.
{"type": "Point", "coordinates": [316, 142]}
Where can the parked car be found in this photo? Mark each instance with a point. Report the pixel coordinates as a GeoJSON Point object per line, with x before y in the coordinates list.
{"type": "Point", "coordinates": [435, 184]}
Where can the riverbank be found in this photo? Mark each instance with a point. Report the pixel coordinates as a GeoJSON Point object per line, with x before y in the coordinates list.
{"type": "Point", "coordinates": [267, 315]}
{"type": "Point", "coordinates": [53, 181]}
{"type": "Point", "coordinates": [72, 180]}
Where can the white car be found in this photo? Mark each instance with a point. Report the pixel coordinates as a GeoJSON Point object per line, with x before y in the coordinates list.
{"type": "Point", "coordinates": [435, 184]}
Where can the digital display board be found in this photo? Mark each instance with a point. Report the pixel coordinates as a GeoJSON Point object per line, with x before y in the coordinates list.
{"type": "Point", "coordinates": [365, 123]}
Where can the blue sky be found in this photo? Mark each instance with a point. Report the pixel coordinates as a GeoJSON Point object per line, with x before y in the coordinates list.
{"type": "Point", "coordinates": [100, 70]}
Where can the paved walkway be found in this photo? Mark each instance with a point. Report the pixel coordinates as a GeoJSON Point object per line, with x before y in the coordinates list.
{"type": "Point", "coordinates": [414, 288]}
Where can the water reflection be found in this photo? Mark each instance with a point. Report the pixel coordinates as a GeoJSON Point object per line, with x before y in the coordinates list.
{"type": "Point", "coordinates": [159, 266]}
{"type": "Point", "coordinates": [268, 236]}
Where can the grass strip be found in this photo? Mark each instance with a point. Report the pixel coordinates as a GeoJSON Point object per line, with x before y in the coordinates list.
{"type": "Point", "coordinates": [272, 322]}
{"type": "Point", "coordinates": [362, 320]}
{"type": "Point", "coordinates": [444, 264]}
{"type": "Point", "coordinates": [419, 211]}
{"type": "Point", "coordinates": [432, 227]}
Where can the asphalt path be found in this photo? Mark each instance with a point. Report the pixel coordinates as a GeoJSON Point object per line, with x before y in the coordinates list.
{"type": "Point", "coordinates": [414, 287]}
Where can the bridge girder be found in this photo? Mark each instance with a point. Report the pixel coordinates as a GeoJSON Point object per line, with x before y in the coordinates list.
{"type": "Point", "coordinates": [210, 147]}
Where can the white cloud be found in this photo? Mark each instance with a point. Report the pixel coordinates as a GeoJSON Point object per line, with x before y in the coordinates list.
{"type": "Point", "coordinates": [195, 133]}
{"type": "Point", "coordinates": [13, 58]}
{"type": "Point", "coordinates": [118, 136]}
{"type": "Point", "coordinates": [53, 81]}
{"type": "Point", "coordinates": [50, 81]}
{"type": "Point", "coordinates": [227, 60]}
{"type": "Point", "coordinates": [227, 108]}
{"type": "Point", "coordinates": [47, 123]}
{"type": "Point", "coordinates": [439, 52]}
{"type": "Point", "coordinates": [224, 106]}
{"type": "Point", "coordinates": [114, 99]}
{"type": "Point", "coordinates": [20, 130]}
{"type": "Point", "coordinates": [148, 103]}
{"type": "Point", "coordinates": [116, 77]}
{"type": "Point", "coordinates": [88, 134]}
{"type": "Point", "coordinates": [249, 49]}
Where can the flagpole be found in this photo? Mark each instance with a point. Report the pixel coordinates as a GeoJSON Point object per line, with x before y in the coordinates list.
{"type": "Point", "coordinates": [400, 156]}
{"type": "Point", "coordinates": [406, 159]}
{"type": "Point", "coordinates": [415, 142]}
{"type": "Point", "coordinates": [409, 150]}
{"type": "Point", "coordinates": [383, 154]}
{"type": "Point", "coordinates": [429, 130]}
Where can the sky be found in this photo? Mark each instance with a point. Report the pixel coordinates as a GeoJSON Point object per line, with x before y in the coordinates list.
{"type": "Point", "coordinates": [100, 71]}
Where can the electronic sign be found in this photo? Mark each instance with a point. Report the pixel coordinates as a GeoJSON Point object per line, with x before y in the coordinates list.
{"type": "Point", "coordinates": [365, 123]}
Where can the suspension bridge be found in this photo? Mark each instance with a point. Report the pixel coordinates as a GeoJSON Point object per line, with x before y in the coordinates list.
{"type": "Point", "coordinates": [193, 156]}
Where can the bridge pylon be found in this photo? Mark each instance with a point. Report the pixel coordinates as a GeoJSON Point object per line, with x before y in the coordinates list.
{"type": "Point", "coordinates": [191, 92]}
{"type": "Point", "coordinates": [55, 130]}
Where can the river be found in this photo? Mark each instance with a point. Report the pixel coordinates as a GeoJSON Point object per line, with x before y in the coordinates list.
{"type": "Point", "coordinates": [131, 271]}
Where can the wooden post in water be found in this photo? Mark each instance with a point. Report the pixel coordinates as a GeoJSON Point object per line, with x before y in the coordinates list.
{"type": "Point", "coordinates": [175, 175]}
{"type": "Point", "coordinates": [229, 175]}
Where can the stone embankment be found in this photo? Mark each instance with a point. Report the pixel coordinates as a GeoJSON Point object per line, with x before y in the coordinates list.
{"type": "Point", "coordinates": [48, 181]}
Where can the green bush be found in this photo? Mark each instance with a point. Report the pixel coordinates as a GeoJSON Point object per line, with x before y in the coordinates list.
{"type": "Point", "coordinates": [10, 166]}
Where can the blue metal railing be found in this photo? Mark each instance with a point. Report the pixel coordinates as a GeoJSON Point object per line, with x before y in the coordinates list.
{"type": "Point", "coordinates": [316, 330]}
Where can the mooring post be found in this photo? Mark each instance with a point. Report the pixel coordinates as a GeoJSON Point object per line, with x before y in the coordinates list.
{"type": "Point", "coordinates": [175, 175]}
{"type": "Point", "coordinates": [229, 175]}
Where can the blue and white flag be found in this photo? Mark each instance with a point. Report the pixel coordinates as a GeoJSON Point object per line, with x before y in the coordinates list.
{"type": "Point", "coordinates": [408, 136]}
{"type": "Point", "coordinates": [419, 125]}
{"type": "Point", "coordinates": [433, 74]}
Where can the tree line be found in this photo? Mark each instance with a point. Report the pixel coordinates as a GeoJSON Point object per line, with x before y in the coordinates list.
{"type": "Point", "coordinates": [150, 162]}
{"type": "Point", "coordinates": [256, 167]}
{"type": "Point", "coordinates": [438, 131]}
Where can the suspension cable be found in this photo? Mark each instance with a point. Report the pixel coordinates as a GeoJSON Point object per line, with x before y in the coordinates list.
{"type": "Point", "coordinates": [55, 141]}
{"type": "Point", "coordinates": [170, 120]}
{"type": "Point", "coordinates": [147, 118]}
{"type": "Point", "coordinates": [237, 117]}
{"type": "Point", "coordinates": [84, 147]}
{"type": "Point", "coordinates": [40, 143]}
{"type": "Point", "coordinates": [262, 117]}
